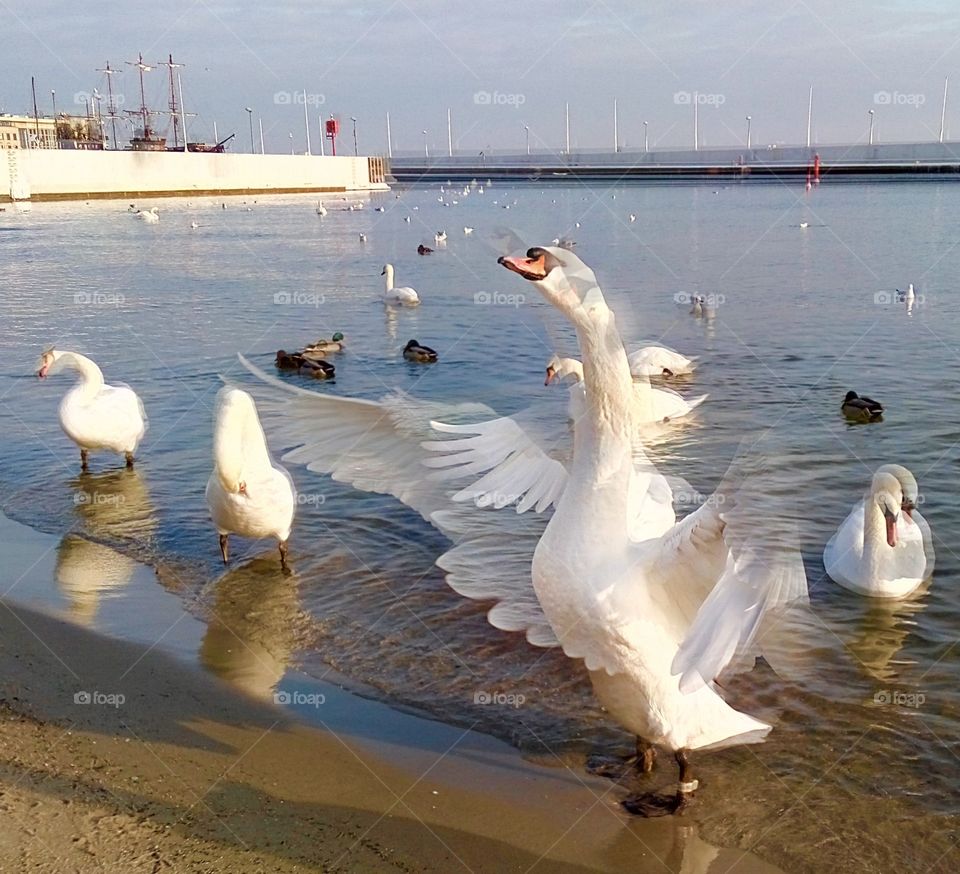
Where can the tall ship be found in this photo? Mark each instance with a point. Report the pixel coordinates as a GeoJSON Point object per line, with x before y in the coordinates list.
{"type": "Point", "coordinates": [81, 156]}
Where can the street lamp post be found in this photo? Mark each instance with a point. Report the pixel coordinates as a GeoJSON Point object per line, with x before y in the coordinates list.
{"type": "Point", "coordinates": [426, 148]}
{"type": "Point", "coordinates": [56, 138]}
{"type": "Point", "coordinates": [526, 128]}
{"type": "Point", "coordinates": [355, 151]}
{"type": "Point", "coordinates": [749, 122]}
{"type": "Point", "coordinates": [290, 134]}
{"type": "Point", "coordinates": [253, 151]}
{"type": "Point", "coordinates": [870, 137]}
{"type": "Point", "coordinates": [646, 141]}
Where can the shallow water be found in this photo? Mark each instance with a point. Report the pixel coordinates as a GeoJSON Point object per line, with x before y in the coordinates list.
{"type": "Point", "coordinates": [867, 741]}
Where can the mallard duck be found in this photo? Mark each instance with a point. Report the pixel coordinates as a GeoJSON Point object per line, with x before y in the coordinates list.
{"type": "Point", "coordinates": [413, 351]}
{"type": "Point", "coordinates": [288, 360]}
{"type": "Point", "coordinates": [861, 409]}
{"type": "Point", "coordinates": [423, 250]}
{"type": "Point", "coordinates": [320, 347]}
{"type": "Point", "coordinates": [317, 368]}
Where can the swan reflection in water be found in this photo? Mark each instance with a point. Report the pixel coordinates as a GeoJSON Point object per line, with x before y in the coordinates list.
{"type": "Point", "coordinates": [256, 623]}
{"type": "Point", "coordinates": [883, 629]}
{"type": "Point", "coordinates": [86, 572]}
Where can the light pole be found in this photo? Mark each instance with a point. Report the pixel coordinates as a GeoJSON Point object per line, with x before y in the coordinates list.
{"type": "Point", "coordinates": [749, 122]}
{"type": "Point", "coordinates": [426, 148]}
{"type": "Point", "coordinates": [56, 138]}
{"type": "Point", "coordinates": [355, 152]}
{"type": "Point", "coordinates": [526, 128]}
{"type": "Point", "coordinates": [646, 141]}
{"type": "Point", "coordinates": [253, 151]}
{"type": "Point", "coordinates": [870, 137]}
{"type": "Point", "coordinates": [290, 134]}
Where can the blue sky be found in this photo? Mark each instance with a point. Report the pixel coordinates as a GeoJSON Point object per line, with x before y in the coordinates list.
{"type": "Point", "coordinates": [501, 66]}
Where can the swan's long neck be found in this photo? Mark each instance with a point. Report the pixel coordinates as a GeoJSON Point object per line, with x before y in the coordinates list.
{"type": "Point", "coordinates": [388, 278]}
{"type": "Point", "coordinates": [91, 377]}
{"type": "Point", "coordinates": [239, 446]}
{"type": "Point", "coordinates": [874, 536]}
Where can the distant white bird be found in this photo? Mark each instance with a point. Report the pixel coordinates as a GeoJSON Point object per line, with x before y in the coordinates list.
{"type": "Point", "coordinates": [94, 415]}
{"type": "Point", "coordinates": [406, 218]}
{"type": "Point", "coordinates": [378, 209]}
{"type": "Point", "coordinates": [659, 361]}
{"type": "Point", "coordinates": [194, 225]}
{"type": "Point", "coordinates": [910, 296]}
{"type": "Point", "coordinates": [363, 238]}
{"type": "Point", "coordinates": [403, 296]}
{"type": "Point", "coordinates": [804, 224]}
{"type": "Point", "coordinates": [633, 218]}
{"type": "Point", "coordinates": [150, 216]}
{"type": "Point", "coordinates": [321, 209]}
{"type": "Point", "coordinates": [440, 236]}
{"type": "Point", "coordinates": [480, 190]}
{"type": "Point", "coordinates": [467, 230]}
{"type": "Point", "coordinates": [247, 493]}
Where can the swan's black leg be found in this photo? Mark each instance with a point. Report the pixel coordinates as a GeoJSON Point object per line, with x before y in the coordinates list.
{"type": "Point", "coordinates": [84, 466]}
{"type": "Point", "coordinates": [129, 457]}
{"type": "Point", "coordinates": [224, 547]}
{"type": "Point", "coordinates": [614, 768]}
{"type": "Point", "coordinates": [646, 753]}
{"type": "Point", "coordinates": [665, 805]}
{"type": "Point", "coordinates": [283, 554]}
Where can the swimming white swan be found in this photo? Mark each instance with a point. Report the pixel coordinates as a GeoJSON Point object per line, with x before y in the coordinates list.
{"type": "Point", "coordinates": [650, 404]}
{"type": "Point", "coordinates": [403, 296]}
{"type": "Point", "coordinates": [247, 493]}
{"type": "Point", "coordinates": [150, 216]}
{"type": "Point", "coordinates": [321, 209]}
{"type": "Point", "coordinates": [655, 621]}
{"type": "Point", "coordinates": [884, 547]}
{"type": "Point", "coordinates": [94, 415]}
{"type": "Point", "coordinates": [659, 361]}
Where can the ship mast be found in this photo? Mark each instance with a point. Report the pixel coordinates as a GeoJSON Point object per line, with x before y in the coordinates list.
{"type": "Point", "coordinates": [143, 111]}
{"type": "Point", "coordinates": [171, 66]}
{"type": "Point", "coordinates": [108, 71]}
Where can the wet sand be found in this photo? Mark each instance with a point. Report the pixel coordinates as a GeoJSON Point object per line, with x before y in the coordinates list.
{"type": "Point", "coordinates": [185, 772]}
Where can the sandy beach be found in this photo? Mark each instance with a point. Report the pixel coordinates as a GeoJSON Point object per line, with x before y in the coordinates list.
{"type": "Point", "coordinates": [118, 756]}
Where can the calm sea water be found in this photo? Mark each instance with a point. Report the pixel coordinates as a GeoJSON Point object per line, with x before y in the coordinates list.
{"type": "Point", "coordinates": [865, 745]}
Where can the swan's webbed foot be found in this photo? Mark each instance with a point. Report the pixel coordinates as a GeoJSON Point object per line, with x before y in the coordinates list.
{"type": "Point", "coordinates": [129, 459]}
{"type": "Point", "coordinates": [614, 768]}
{"type": "Point", "coordinates": [283, 556]}
{"type": "Point", "coordinates": [84, 460]}
{"type": "Point", "coordinates": [651, 804]}
{"type": "Point", "coordinates": [225, 547]}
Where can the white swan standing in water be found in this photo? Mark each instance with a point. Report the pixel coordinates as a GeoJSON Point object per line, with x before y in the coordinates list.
{"type": "Point", "coordinates": [884, 547]}
{"type": "Point", "coordinates": [654, 620]}
{"type": "Point", "coordinates": [94, 415]}
{"type": "Point", "coordinates": [659, 361]}
{"type": "Point", "coordinates": [403, 296]}
{"type": "Point", "coordinates": [650, 404]}
{"type": "Point", "coordinates": [247, 493]}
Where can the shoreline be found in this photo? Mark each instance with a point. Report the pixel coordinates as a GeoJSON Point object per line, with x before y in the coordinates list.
{"type": "Point", "coordinates": [160, 765]}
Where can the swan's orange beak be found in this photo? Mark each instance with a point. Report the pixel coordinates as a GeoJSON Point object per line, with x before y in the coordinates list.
{"type": "Point", "coordinates": [551, 373]}
{"type": "Point", "coordinates": [42, 372]}
{"type": "Point", "coordinates": [533, 269]}
{"type": "Point", "coordinates": [891, 529]}
{"type": "Point", "coordinates": [908, 507]}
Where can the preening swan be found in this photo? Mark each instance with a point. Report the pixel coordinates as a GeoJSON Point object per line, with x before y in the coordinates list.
{"type": "Point", "coordinates": [247, 493]}
{"type": "Point", "coordinates": [150, 216]}
{"type": "Point", "coordinates": [94, 415]}
{"type": "Point", "coordinates": [655, 620]}
{"type": "Point", "coordinates": [884, 547]}
{"type": "Point", "coordinates": [403, 296]}
{"type": "Point", "coordinates": [659, 361]}
{"type": "Point", "coordinates": [650, 404]}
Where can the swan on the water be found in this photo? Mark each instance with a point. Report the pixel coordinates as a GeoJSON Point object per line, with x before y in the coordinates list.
{"type": "Point", "coordinates": [659, 361]}
{"type": "Point", "coordinates": [402, 296]}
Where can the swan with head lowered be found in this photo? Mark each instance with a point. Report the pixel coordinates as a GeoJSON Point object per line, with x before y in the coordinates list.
{"type": "Point", "coordinates": [96, 416]}
{"type": "Point", "coordinates": [659, 361]}
{"type": "Point", "coordinates": [403, 296]}
{"type": "Point", "coordinates": [650, 404]}
{"type": "Point", "coordinates": [247, 493]}
{"type": "Point", "coordinates": [884, 547]}
{"type": "Point", "coordinates": [657, 619]}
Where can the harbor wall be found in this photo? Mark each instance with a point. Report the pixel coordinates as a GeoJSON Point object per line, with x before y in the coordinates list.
{"type": "Point", "coordinates": [50, 174]}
